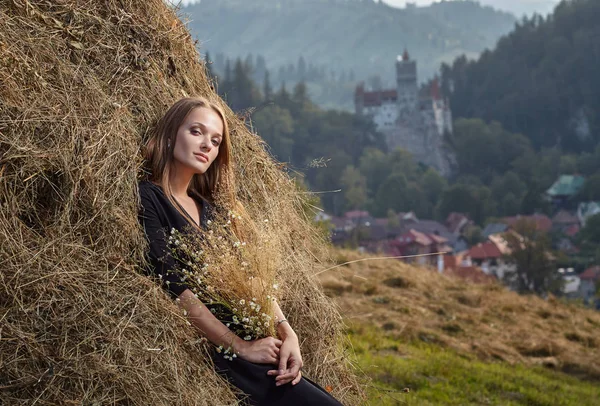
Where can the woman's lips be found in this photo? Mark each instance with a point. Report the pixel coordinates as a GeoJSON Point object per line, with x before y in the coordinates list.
{"type": "Point", "coordinates": [201, 157]}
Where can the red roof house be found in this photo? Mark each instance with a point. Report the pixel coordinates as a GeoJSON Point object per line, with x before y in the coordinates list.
{"type": "Point", "coordinates": [591, 274]}
{"type": "Point", "coordinates": [483, 251]}
{"type": "Point", "coordinates": [542, 222]}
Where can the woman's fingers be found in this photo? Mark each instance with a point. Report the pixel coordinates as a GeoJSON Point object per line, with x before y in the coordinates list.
{"type": "Point", "coordinates": [297, 378]}
{"type": "Point", "coordinates": [277, 342]}
{"type": "Point", "coordinates": [284, 378]}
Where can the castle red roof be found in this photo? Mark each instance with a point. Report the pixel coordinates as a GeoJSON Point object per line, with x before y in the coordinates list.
{"type": "Point", "coordinates": [434, 89]}
{"type": "Point", "coordinates": [372, 99]}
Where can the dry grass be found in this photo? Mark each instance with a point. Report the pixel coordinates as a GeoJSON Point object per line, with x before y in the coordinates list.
{"type": "Point", "coordinates": [81, 83]}
{"type": "Point", "coordinates": [485, 321]}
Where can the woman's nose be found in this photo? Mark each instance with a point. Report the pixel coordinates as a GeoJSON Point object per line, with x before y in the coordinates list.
{"type": "Point", "coordinates": [206, 144]}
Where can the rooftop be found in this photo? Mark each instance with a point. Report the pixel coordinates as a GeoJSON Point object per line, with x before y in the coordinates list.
{"type": "Point", "coordinates": [591, 274]}
{"type": "Point", "coordinates": [566, 185]}
{"type": "Point", "coordinates": [485, 250]}
{"type": "Point", "coordinates": [542, 222]}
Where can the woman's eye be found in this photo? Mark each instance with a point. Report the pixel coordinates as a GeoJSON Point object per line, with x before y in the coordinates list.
{"type": "Point", "coordinates": [216, 142]}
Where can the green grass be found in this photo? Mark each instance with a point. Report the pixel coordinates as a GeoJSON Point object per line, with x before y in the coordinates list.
{"type": "Point", "coordinates": [439, 376]}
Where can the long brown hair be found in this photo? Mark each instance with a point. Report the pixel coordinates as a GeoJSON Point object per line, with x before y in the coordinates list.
{"type": "Point", "coordinates": [217, 181]}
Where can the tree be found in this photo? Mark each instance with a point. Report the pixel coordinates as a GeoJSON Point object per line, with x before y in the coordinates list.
{"type": "Point", "coordinates": [276, 126]}
{"type": "Point", "coordinates": [530, 252]}
{"type": "Point", "coordinates": [354, 188]}
{"type": "Point", "coordinates": [374, 165]}
{"type": "Point", "coordinates": [433, 184]}
{"type": "Point", "coordinates": [590, 234]}
{"type": "Point", "coordinates": [267, 89]}
{"type": "Point", "coordinates": [591, 189]}
{"type": "Point", "coordinates": [475, 201]}
{"type": "Point", "coordinates": [392, 195]}
{"type": "Point", "coordinates": [473, 235]}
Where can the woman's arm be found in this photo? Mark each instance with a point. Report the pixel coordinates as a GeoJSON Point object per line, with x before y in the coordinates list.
{"type": "Point", "coordinates": [263, 351]}
{"type": "Point", "coordinates": [290, 359]}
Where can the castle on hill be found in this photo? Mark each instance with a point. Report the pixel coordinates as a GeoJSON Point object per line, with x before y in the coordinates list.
{"type": "Point", "coordinates": [412, 119]}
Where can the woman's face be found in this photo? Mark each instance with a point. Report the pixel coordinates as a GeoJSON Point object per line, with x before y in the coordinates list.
{"type": "Point", "coordinates": [198, 140]}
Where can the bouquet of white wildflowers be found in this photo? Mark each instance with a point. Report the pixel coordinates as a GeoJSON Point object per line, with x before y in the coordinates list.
{"type": "Point", "coordinates": [233, 278]}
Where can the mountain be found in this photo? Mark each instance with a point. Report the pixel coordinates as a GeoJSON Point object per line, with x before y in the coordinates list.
{"type": "Point", "coordinates": [362, 37]}
{"type": "Point", "coordinates": [541, 80]}
{"type": "Point", "coordinates": [516, 7]}
{"type": "Point", "coordinates": [523, 7]}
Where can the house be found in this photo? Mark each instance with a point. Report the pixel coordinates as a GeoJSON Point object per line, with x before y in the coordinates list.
{"type": "Point", "coordinates": [490, 256]}
{"type": "Point", "coordinates": [457, 223]}
{"type": "Point", "coordinates": [566, 245]}
{"type": "Point", "coordinates": [359, 218]}
{"type": "Point", "coordinates": [414, 243]}
{"type": "Point", "coordinates": [564, 220]}
{"type": "Point", "coordinates": [564, 189]}
{"type": "Point", "coordinates": [571, 282]}
{"type": "Point", "coordinates": [494, 228]}
{"type": "Point", "coordinates": [541, 221]}
{"type": "Point", "coordinates": [429, 227]}
{"type": "Point", "coordinates": [589, 278]}
{"type": "Point", "coordinates": [587, 210]}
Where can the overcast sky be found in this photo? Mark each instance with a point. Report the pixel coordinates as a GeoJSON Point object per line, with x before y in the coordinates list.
{"type": "Point", "coordinates": [518, 7]}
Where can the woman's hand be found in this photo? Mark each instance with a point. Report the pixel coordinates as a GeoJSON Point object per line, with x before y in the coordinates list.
{"type": "Point", "coordinates": [263, 351]}
{"type": "Point", "coordinates": [290, 362]}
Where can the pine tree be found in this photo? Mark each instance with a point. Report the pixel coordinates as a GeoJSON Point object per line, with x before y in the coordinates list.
{"type": "Point", "coordinates": [267, 90]}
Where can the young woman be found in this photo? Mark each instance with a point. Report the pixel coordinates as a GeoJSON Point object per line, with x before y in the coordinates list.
{"type": "Point", "coordinates": [189, 156]}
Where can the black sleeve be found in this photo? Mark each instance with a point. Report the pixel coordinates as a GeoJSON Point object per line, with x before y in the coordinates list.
{"type": "Point", "coordinates": [161, 261]}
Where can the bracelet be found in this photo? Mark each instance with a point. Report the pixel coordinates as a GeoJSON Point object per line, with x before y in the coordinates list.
{"type": "Point", "coordinates": [278, 322]}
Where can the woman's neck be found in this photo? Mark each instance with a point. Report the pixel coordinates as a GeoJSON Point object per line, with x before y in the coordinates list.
{"type": "Point", "coordinates": [179, 181]}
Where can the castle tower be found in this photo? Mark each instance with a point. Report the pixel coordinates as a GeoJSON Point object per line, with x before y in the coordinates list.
{"type": "Point", "coordinates": [406, 82]}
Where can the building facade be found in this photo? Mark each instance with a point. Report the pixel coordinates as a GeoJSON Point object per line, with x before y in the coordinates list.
{"type": "Point", "coordinates": [412, 119]}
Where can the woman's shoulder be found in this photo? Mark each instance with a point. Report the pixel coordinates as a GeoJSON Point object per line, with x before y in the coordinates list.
{"type": "Point", "coordinates": [148, 188]}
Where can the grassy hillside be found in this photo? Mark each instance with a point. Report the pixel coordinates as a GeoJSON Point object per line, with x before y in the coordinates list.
{"type": "Point", "coordinates": [343, 35]}
{"type": "Point", "coordinates": [454, 343]}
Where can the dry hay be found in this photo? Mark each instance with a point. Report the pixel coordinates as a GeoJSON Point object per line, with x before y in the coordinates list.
{"type": "Point", "coordinates": [81, 84]}
{"type": "Point", "coordinates": [484, 321]}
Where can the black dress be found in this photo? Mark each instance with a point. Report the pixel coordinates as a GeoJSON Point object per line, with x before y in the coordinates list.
{"type": "Point", "coordinates": [158, 216]}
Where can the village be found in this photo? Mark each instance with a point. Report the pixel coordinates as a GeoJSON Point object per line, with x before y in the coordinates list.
{"type": "Point", "coordinates": [445, 246]}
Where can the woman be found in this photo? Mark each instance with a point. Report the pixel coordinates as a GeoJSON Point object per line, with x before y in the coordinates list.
{"type": "Point", "coordinates": [189, 156]}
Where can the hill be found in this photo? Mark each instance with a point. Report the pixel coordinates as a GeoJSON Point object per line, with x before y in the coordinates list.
{"type": "Point", "coordinates": [454, 342]}
{"type": "Point", "coordinates": [541, 79]}
{"type": "Point", "coordinates": [343, 36]}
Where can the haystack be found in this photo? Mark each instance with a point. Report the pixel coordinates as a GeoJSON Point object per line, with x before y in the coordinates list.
{"type": "Point", "coordinates": [81, 84]}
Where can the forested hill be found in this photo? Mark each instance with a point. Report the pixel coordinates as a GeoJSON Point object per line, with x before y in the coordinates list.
{"type": "Point", "coordinates": [362, 36]}
{"type": "Point", "coordinates": [542, 80]}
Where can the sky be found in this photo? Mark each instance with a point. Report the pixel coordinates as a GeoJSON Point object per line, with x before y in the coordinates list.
{"type": "Point", "coordinates": [517, 7]}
